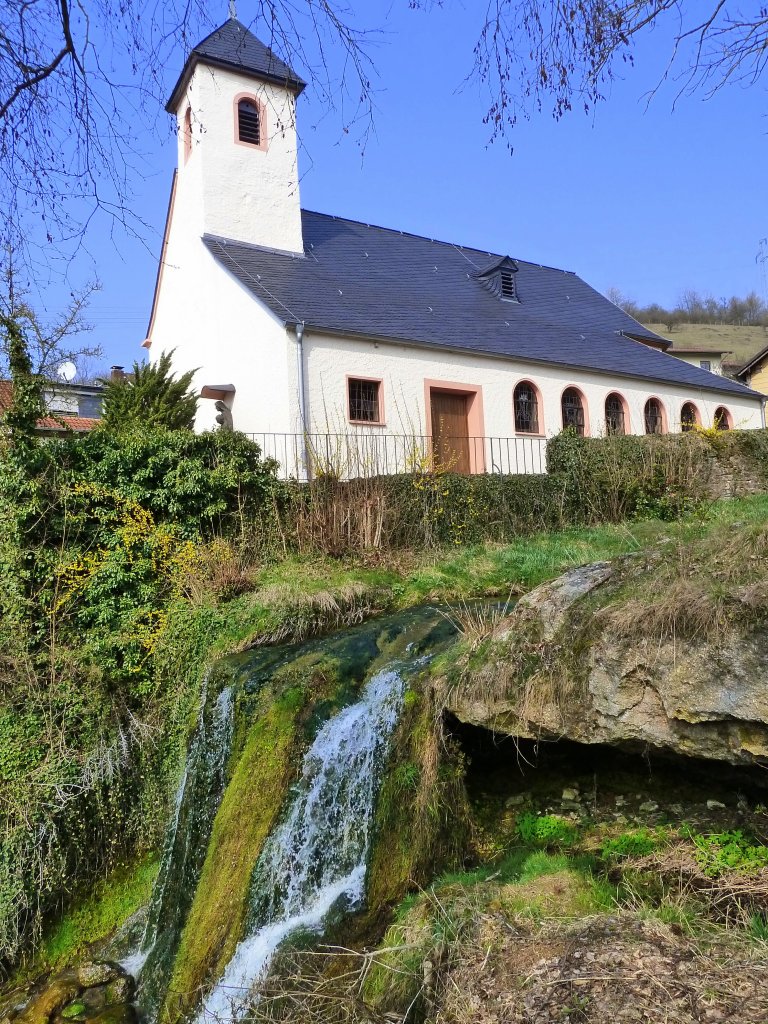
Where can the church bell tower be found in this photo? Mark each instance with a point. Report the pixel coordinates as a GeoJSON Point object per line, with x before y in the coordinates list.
{"type": "Point", "coordinates": [235, 106]}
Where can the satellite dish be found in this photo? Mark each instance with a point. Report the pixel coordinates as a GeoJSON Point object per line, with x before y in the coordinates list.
{"type": "Point", "coordinates": [66, 372]}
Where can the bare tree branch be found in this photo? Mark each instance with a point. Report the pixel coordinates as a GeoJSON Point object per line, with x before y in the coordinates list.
{"type": "Point", "coordinates": [83, 84]}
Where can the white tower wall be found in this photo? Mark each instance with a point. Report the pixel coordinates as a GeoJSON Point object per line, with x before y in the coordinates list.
{"type": "Point", "coordinates": [226, 187]}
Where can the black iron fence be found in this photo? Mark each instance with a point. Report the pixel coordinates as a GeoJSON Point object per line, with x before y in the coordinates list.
{"type": "Point", "coordinates": [354, 455]}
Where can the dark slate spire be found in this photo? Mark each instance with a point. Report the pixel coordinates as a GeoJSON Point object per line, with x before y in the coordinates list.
{"type": "Point", "coordinates": [234, 47]}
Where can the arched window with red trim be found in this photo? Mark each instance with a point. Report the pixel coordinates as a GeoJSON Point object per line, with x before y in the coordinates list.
{"type": "Point", "coordinates": [572, 405]}
{"type": "Point", "coordinates": [722, 418]}
{"type": "Point", "coordinates": [689, 417]}
{"type": "Point", "coordinates": [653, 416]}
{"type": "Point", "coordinates": [615, 416]}
{"type": "Point", "coordinates": [526, 403]}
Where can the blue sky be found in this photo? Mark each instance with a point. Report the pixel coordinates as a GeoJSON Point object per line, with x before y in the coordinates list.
{"type": "Point", "coordinates": [642, 197]}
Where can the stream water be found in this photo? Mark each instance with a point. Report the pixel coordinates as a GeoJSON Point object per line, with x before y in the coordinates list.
{"type": "Point", "coordinates": [317, 855]}
{"type": "Point", "coordinates": [314, 860]}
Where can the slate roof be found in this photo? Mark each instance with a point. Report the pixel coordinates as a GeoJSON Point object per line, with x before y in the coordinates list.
{"type": "Point", "coordinates": [233, 46]}
{"type": "Point", "coordinates": [361, 280]}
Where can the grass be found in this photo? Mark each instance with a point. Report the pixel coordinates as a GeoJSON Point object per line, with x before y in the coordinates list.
{"type": "Point", "coordinates": [439, 921]}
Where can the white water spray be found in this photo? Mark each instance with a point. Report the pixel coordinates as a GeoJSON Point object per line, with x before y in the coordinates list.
{"type": "Point", "coordinates": [317, 855]}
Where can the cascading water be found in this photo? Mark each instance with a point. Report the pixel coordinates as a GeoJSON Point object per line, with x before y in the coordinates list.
{"type": "Point", "coordinates": [197, 799]}
{"type": "Point", "coordinates": [342, 694]}
{"type": "Point", "coordinates": [317, 855]}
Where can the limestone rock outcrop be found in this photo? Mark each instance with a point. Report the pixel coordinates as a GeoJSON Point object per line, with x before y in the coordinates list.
{"type": "Point", "coordinates": [560, 667]}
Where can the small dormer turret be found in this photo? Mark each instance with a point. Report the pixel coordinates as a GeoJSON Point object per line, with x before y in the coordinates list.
{"type": "Point", "coordinates": [235, 107]}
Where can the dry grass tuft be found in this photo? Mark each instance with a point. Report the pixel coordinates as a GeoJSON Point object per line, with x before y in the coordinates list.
{"type": "Point", "coordinates": [475, 621]}
{"type": "Point", "coordinates": [301, 615]}
{"type": "Point", "coordinates": [683, 608]}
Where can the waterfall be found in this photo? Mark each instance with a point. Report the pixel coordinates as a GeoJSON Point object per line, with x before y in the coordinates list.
{"type": "Point", "coordinates": [197, 799]}
{"type": "Point", "coordinates": [317, 855]}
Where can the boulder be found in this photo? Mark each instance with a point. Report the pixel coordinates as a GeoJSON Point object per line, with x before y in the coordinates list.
{"type": "Point", "coordinates": [95, 990]}
{"type": "Point", "coordinates": [557, 668]}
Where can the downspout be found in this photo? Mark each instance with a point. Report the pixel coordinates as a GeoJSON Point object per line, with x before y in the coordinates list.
{"type": "Point", "coordinates": [299, 328]}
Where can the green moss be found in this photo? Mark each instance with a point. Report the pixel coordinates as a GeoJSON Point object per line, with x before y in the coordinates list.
{"type": "Point", "coordinates": [73, 1011]}
{"type": "Point", "coordinates": [422, 820]}
{"type": "Point", "coordinates": [110, 904]}
{"type": "Point", "coordinates": [248, 810]}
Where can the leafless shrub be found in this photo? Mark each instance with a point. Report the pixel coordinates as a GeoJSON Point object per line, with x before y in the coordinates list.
{"type": "Point", "coordinates": [221, 570]}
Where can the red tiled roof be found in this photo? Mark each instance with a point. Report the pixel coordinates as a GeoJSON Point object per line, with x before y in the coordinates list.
{"type": "Point", "coordinates": [48, 423]}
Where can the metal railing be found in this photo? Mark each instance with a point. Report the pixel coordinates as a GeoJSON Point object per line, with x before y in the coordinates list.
{"type": "Point", "coordinates": [369, 454]}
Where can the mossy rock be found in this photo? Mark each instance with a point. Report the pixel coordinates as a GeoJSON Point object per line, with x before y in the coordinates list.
{"type": "Point", "coordinates": [75, 1011]}
{"type": "Point", "coordinates": [58, 992]}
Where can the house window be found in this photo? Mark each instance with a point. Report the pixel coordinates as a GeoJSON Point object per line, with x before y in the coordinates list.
{"type": "Point", "coordinates": [654, 417]}
{"type": "Point", "coordinates": [573, 410]}
{"type": "Point", "coordinates": [248, 122]}
{"type": "Point", "coordinates": [722, 418]}
{"type": "Point", "coordinates": [688, 417]}
{"type": "Point", "coordinates": [364, 399]}
{"type": "Point", "coordinates": [705, 364]}
{"type": "Point", "coordinates": [526, 409]}
{"type": "Point", "coordinates": [614, 415]}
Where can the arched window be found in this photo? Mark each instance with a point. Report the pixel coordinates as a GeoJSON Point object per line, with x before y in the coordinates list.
{"type": "Point", "coordinates": [573, 410]}
{"type": "Point", "coordinates": [249, 122]}
{"type": "Point", "coordinates": [654, 417]}
{"type": "Point", "coordinates": [526, 409]}
{"type": "Point", "coordinates": [187, 129]}
{"type": "Point", "coordinates": [722, 418]}
{"type": "Point", "coordinates": [689, 417]}
{"type": "Point", "coordinates": [614, 415]}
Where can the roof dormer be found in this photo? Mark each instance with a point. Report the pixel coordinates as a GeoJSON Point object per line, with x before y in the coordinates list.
{"type": "Point", "coordinates": [499, 279]}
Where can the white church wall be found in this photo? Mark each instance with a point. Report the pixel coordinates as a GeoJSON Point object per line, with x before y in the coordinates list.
{"type": "Point", "coordinates": [219, 330]}
{"type": "Point", "coordinates": [404, 369]}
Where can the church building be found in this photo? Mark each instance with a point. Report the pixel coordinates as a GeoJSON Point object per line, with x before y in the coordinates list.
{"type": "Point", "coordinates": [327, 338]}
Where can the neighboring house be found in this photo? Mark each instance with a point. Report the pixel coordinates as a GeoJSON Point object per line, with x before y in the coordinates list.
{"type": "Point", "coordinates": [323, 335]}
{"type": "Point", "coordinates": [710, 359]}
{"type": "Point", "coordinates": [70, 406]}
{"type": "Point", "coordinates": [755, 373]}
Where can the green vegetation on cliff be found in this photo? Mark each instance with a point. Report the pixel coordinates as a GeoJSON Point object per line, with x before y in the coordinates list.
{"type": "Point", "coordinates": [129, 562]}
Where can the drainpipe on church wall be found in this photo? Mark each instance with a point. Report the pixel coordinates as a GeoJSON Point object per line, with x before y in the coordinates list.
{"type": "Point", "coordinates": [302, 396]}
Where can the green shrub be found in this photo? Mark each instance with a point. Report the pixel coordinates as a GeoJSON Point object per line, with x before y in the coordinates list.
{"type": "Point", "coordinates": [205, 484]}
{"type": "Point", "coordinates": [149, 397]}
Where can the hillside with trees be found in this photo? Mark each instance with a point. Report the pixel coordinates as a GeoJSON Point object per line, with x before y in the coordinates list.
{"type": "Point", "coordinates": [738, 326]}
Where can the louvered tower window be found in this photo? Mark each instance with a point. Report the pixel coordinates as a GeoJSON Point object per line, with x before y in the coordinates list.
{"type": "Point", "coordinates": [248, 122]}
{"type": "Point", "coordinates": [508, 290]}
